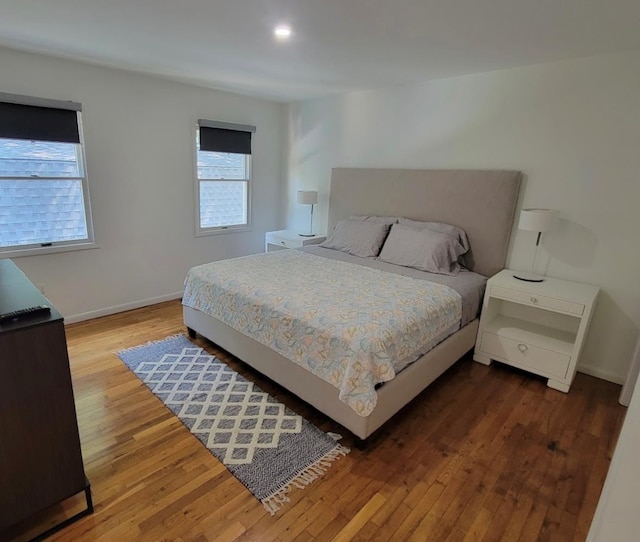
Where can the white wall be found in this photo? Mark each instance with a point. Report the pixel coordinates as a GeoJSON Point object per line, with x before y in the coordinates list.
{"type": "Point", "coordinates": [572, 127]}
{"type": "Point", "coordinates": [616, 518]}
{"type": "Point", "coordinates": [139, 140]}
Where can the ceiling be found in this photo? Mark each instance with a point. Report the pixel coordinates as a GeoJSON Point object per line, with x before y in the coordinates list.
{"type": "Point", "coordinates": [336, 46]}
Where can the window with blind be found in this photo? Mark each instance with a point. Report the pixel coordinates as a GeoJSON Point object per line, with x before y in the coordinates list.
{"type": "Point", "coordinates": [44, 197]}
{"type": "Point", "coordinates": [223, 191]}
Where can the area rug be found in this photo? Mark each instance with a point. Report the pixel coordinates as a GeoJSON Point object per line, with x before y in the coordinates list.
{"type": "Point", "coordinates": [264, 444]}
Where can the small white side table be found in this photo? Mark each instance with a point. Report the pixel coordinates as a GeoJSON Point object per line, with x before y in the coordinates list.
{"type": "Point", "coordinates": [282, 239]}
{"type": "Point", "coordinates": [537, 326]}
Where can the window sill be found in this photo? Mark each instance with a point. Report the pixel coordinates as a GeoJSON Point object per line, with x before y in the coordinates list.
{"type": "Point", "coordinates": [218, 231]}
{"type": "Point", "coordinates": [37, 251]}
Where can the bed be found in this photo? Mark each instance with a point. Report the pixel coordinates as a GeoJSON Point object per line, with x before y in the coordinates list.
{"type": "Point", "coordinates": [482, 203]}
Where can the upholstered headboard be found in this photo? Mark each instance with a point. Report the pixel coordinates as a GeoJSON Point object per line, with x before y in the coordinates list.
{"type": "Point", "coordinates": [482, 202]}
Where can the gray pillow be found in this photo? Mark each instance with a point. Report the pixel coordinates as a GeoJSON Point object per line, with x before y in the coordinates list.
{"type": "Point", "coordinates": [358, 237]}
{"type": "Point", "coordinates": [422, 248]}
{"type": "Point", "coordinates": [373, 218]}
{"type": "Point", "coordinates": [440, 227]}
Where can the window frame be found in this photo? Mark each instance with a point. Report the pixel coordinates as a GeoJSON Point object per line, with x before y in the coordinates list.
{"type": "Point", "coordinates": [66, 245]}
{"type": "Point", "coordinates": [217, 230]}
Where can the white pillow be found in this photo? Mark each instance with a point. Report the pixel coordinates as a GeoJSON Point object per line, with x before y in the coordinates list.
{"type": "Point", "coordinates": [358, 237]}
{"type": "Point", "coordinates": [423, 249]}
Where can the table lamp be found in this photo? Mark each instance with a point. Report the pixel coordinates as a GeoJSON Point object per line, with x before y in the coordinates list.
{"type": "Point", "coordinates": [308, 197]}
{"type": "Point", "coordinates": [539, 220]}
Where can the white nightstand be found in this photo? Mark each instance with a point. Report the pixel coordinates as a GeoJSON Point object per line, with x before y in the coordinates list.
{"type": "Point", "coordinates": [537, 326]}
{"type": "Point", "coordinates": [278, 240]}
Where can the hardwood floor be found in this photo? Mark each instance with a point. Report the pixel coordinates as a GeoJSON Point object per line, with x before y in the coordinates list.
{"type": "Point", "coordinates": [485, 453]}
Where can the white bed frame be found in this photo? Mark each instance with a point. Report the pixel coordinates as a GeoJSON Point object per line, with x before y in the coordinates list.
{"type": "Point", "coordinates": [483, 203]}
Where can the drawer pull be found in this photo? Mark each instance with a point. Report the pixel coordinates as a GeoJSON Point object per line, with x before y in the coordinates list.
{"type": "Point", "coordinates": [534, 300]}
{"type": "Point", "coordinates": [523, 347]}
{"type": "Point", "coordinates": [282, 242]}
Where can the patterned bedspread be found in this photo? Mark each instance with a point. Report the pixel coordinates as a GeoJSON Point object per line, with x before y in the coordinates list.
{"type": "Point", "coordinates": [350, 325]}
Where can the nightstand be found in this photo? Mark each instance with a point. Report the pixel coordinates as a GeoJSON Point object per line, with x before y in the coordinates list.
{"type": "Point", "coordinates": [537, 326]}
{"type": "Point", "coordinates": [279, 240]}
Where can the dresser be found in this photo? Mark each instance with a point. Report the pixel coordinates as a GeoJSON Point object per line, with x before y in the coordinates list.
{"type": "Point", "coordinates": [40, 456]}
{"type": "Point", "coordinates": [536, 326]}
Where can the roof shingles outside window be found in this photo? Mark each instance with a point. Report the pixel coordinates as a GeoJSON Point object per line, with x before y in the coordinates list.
{"type": "Point", "coordinates": [37, 208]}
{"type": "Point", "coordinates": [56, 209]}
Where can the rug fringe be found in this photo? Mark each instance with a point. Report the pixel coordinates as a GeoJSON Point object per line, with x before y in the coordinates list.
{"type": "Point", "coordinates": [275, 501]}
{"type": "Point", "coordinates": [150, 343]}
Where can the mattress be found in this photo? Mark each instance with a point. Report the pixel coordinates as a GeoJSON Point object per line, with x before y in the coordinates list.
{"type": "Point", "coordinates": [354, 326]}
{"type": "Point", "coordinates": [469, 285]}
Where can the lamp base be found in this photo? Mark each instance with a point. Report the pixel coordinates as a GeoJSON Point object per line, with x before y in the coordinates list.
{"type": "Point", "coordinates": [529, 277]}
{"type": "Point", "coordinates": [307, 234]}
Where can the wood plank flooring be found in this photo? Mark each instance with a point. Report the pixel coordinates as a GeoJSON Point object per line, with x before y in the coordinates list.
{"type": "Point", "coordinates": [485, 453]}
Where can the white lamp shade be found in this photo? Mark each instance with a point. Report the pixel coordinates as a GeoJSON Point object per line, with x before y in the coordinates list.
{"type": "Point", "coordinates": [307, 197]}
{"type": "Point", "coordinates": [536, 219]}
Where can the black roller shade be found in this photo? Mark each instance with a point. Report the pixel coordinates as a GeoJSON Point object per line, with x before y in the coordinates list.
{"type": "Point", "coordinates": [19, 121]}
{"type": "Point", "coordinates": [225, 140]}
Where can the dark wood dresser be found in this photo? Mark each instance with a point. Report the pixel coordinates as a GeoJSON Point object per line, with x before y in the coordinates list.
{"type": "Point", "coordinates": [40, 457]}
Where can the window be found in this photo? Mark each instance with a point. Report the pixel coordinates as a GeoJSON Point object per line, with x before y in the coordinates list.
{"type": "Point", "coordinates": [44, 200]}
{"type": "Point", "coordinates": [223, 153]}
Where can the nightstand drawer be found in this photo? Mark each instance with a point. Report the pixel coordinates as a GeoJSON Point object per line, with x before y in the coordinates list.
{"type": "Point", "coordinates": [527, 356]}
{"type": "Point", "coordinates": [536, 300]}
{"type": "Point", "coordinates": [285, 243]}
{"type": "Point", "coordinates": [277, 240]}
{"type": "Point", "coordinates": [273, 248]}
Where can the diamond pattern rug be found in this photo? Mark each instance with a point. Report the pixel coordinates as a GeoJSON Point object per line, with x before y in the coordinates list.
{"type": "Point", "coordinates": [267, 446]}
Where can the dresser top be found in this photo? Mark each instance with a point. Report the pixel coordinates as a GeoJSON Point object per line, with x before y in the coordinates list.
{"type": "Point", "coordinates": [18, 292]}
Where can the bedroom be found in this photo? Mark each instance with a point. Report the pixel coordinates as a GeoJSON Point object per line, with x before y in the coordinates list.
{"type": "Point", "coordinates": [570, 125]}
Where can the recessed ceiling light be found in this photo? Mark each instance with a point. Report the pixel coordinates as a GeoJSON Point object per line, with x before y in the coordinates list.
{"type": "Point", "coordinates": [282, 32]}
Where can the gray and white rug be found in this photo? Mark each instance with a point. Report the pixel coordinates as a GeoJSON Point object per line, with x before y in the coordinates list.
{"type": "Point", "coordinates": [267, 446]}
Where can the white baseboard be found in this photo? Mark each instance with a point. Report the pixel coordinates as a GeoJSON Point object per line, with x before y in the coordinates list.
{"type": "Point", "coordinates": [603, 375]}
{"type": "Point", "coordinates": [120, 308]}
